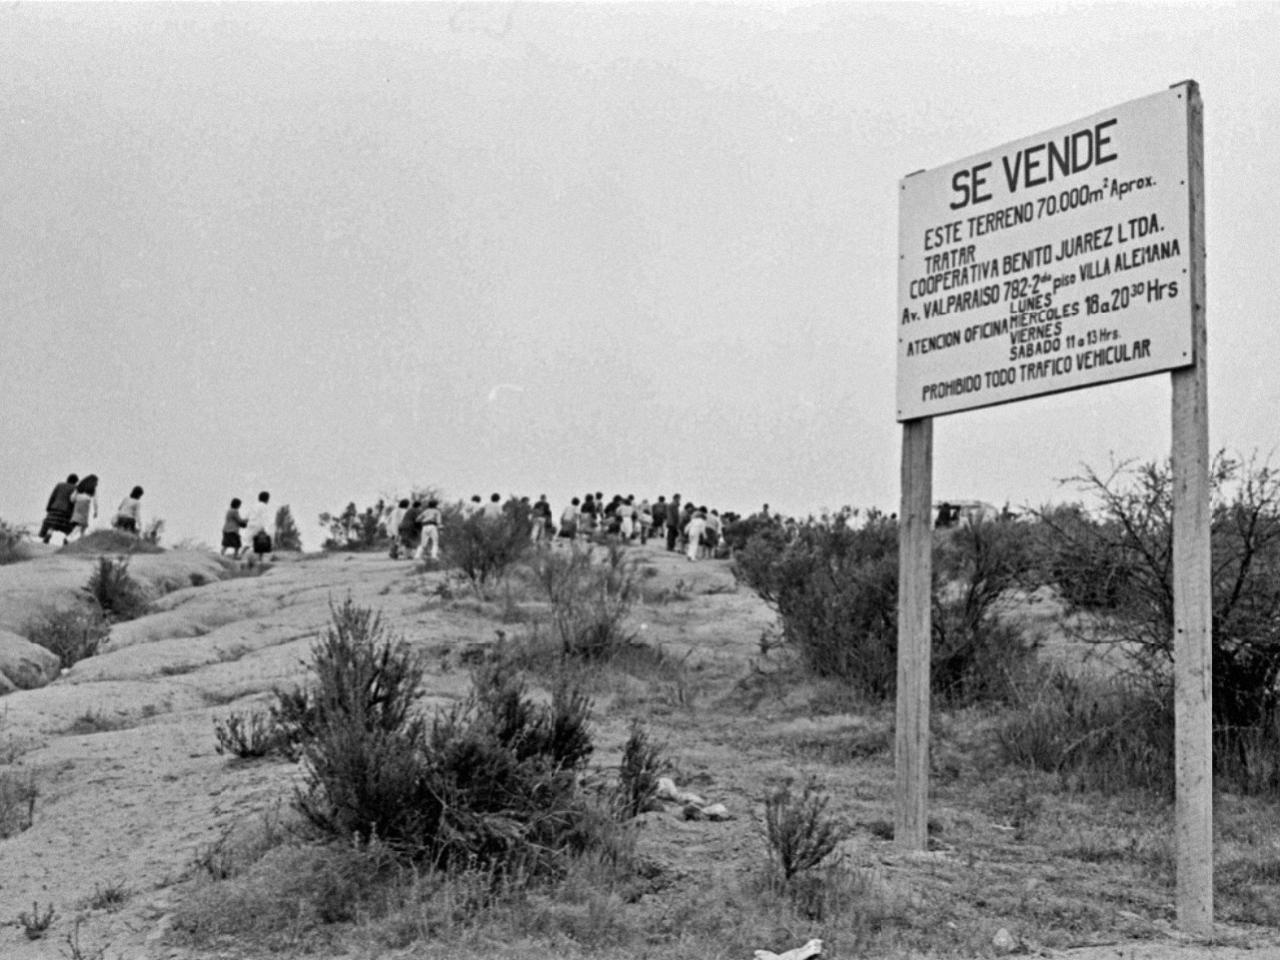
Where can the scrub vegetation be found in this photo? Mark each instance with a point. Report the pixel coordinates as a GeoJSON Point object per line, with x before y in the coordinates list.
{"type": "Point", "coordinates": [11, 538]}
{"type": "Point", "coordinates": [521, 813]}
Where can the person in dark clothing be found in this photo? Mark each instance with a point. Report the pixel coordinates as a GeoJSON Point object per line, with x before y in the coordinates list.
{"type": "Point", "coordinates": [57, 515]}
{"type": "Point", "coordinates": [673, 522]}
{"type": "Point", "coordinates": [232, 524]}
{"type": "Point", "coordinates": [410, 528]}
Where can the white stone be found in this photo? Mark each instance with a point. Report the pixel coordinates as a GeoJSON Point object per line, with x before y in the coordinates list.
{"type": "Point", "coordinates": [811, 949]}
{"type": "Point", "coordinates": [667, 789]}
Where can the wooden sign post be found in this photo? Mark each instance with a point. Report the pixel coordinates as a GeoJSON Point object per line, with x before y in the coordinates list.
{"type": "Point", "coordinates": [1192, 582]}
{"type": "Point", "coordinates": [915, 573]}
{"type": "Point", "coordinates": [1065, 260]}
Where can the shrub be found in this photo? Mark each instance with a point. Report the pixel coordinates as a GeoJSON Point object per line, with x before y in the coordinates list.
{"type": "Point", "coordinates": [836, 592]}
{"type": "Point", "coordinates": [294, 717]}
{"type": "Point", "coordinates": [17, 803]}
{"type": "Point", "coordinates": [281, 899]}
{"type": "Point", "coordinates": [799, 832]}
{"type": "Point", "coordinates": [975, 656]}
{"type": "Point", "coordinates": [485, 548]}
{"type": "Point", "coordinates": [637, 773]}
{"type": "Point", "coordinates": [1110, 734]}
{"type": "Point", "coordinates": [491, 783]}
{"type": "Point", "coordinates": [11, 537]}
{"type": "Point", "coordinates": [35, 924]}
{"type": "Point", "coordinates": [507, 771]}
{"type": "Point", "coordinates": [354, 530]}
{"type": "Point", "coordinates": [1073, 555]}
{"type": "Point", "coordinates": [1130, 547]}
{"type": "Point", "coordinates": [287, 536]}
{"type": "Point", "coordinates": [73, 633]}
{"type": "Point", "coordinates": [110, 897]}
{"type": "Point", "coordinates": [589, 601]}
{"type": "Point", "coordinates": [117, 594]}
{"type": "Point", "coordinates": [743, 530]}
{"type": "Point", "coordinates": [251, 735]}
{"type": "Point", "coordinates": [359, 738]}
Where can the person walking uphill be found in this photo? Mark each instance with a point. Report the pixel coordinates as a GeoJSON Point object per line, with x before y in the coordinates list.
{"type": "Point", "coordinates": [694, 532]}
{"type": "Point", "coordinates": [394, 516]}
{"type": "Point", "coordinates": [430, 518]}
{"type": "Point", "coordinates": [259, 528]}
{"type": "Point", "coordinates": [129, 514]}
{"type": "Point", "coordinates": [673, 522]}
{"type": "Point", "coordinates": [84, 502]}
{"type": "Point", "coordinates": [57, 512]}
{"type": "Point", "coordinates": [409, 529]}
{"type": "Point", "coordinates": [231, 527]}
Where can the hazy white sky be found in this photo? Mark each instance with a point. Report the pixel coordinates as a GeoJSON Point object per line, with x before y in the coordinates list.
{"type": "Point", "coordinates": [334, 250]}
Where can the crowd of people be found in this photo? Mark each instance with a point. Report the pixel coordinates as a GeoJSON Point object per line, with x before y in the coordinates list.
{"type": "Point", "coordinates": [73, 505]}
{"type": "Point", "coordinates": [414, 525]}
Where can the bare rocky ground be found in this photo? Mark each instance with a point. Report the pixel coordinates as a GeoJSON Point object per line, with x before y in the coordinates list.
{"type": "Point", "coordinates": [131, 789]}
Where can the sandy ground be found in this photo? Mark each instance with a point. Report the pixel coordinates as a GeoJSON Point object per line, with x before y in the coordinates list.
{"type": "Point", "coordinates": [134, 803]}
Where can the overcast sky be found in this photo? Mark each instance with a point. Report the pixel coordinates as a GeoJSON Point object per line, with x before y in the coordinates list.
{"type": "Point", "coordinates": [332, 251]}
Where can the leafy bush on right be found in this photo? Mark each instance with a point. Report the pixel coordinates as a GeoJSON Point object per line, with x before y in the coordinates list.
{"type": "Point", "coordinates": [1126, 553]}
{"type": "Point", "coordinates": [836, 593]}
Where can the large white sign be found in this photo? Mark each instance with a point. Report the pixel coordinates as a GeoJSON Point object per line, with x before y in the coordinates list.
{"type": "Point", "coordinates": [1057, 261]}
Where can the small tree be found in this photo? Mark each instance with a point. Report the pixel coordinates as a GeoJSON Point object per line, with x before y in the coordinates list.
{"type": "Point", "coordinates": [485, 548]}
{"type": "Point", "coordinates": [118, 595]}
{"type": "Point", "coordinates": [287, 535]}
{"type": "Point", "coordinates": [354, 530]}
{"type": "Point", "coordinates": [1129, 547]}
{"type": "Point", "coordinates": [799, 832]}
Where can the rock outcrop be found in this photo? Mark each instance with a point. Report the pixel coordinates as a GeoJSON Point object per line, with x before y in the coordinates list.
{"type": "Point", "coordinates": [25, 665]}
